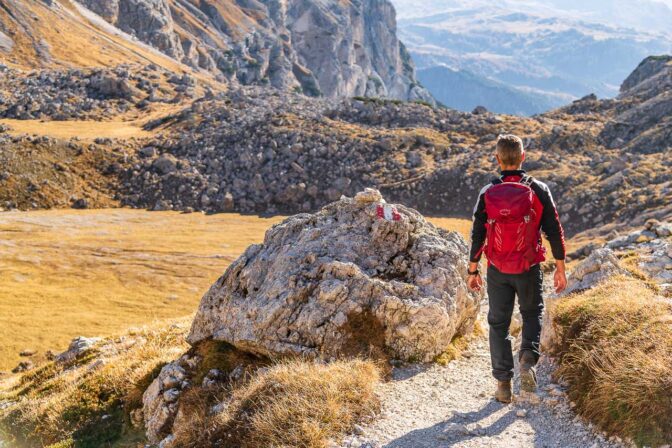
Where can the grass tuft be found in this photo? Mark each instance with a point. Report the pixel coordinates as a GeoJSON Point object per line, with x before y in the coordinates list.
{"type": "Point", "coordinates": [301, 404]}
{"type": "Point", "coordinates": [615, 346]}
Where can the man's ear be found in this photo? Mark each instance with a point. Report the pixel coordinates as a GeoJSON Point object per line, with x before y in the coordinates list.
{"type": "Point", "coordinates": [497, 157]}
{"type": "Point", "coordinates": [523, 159]}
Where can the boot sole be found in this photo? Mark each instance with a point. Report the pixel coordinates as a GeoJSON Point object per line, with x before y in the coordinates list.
{"type": "Point", "coordinates": [504, 401]}
{"type": "Point", "coordinates": [528, 381]}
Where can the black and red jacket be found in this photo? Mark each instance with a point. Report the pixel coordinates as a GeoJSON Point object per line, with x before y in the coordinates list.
{"type": "Point", "coordinates": [543, 204]}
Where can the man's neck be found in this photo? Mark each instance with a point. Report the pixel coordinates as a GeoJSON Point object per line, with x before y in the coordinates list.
{"type": "Point", "coordinates": [511, 168]}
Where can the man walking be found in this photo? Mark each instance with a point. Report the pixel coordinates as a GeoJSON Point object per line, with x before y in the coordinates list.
{"type": "Point", "coordinates": [510, 214]}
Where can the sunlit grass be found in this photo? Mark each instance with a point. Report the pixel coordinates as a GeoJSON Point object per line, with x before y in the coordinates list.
{"type": "Point", "coordinates": [68, 273]}
{"type": "Point", "coordinates": [95, 272]}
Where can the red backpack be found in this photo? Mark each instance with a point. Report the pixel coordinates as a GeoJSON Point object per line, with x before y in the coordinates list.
{"type": "Point", "coordinates": [513, 241]}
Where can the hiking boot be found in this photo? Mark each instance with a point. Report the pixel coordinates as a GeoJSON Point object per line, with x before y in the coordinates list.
{"type": "Point", "coordinates": [528, 374]}
{"type": "Point", "coordinates": [503, 394]}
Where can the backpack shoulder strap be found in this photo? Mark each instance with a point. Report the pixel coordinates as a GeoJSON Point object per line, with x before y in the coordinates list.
{"type": "Point", "coordinates": [497, 181]}
{"type": "Point", "coordinates": [527, 180]}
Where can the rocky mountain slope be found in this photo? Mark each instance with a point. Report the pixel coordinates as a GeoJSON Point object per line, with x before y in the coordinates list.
{"type": "Point", "coordinates": [262, 150]}
{"type": "Point", "coordinates": [255, 152]}
{"type": "Point", "coordinates": [324, 48]}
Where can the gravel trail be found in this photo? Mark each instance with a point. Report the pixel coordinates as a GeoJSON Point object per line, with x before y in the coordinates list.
{"type": "Point", "coordinates": [452, 406]}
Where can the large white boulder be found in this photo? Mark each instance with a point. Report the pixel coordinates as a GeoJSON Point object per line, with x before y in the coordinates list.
{"type": "Point", "coordinates": [358, 277]}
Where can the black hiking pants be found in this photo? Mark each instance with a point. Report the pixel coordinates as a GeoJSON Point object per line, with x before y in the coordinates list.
{"type": "Point", "coordinates": [502, 289]}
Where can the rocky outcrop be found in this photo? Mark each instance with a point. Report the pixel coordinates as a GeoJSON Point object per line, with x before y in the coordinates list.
{"type": "Point", "coordinates": [160, 400]}
{"type": "Point", "coordinates": [358, 277]}
{"type": "Point", "coordinates": [149, 20]}
{"type": "Point", "coordinates": [77, 348]}
{"type": "Point", "coordinates": [643, 111]}
{"type": "Point", "coordinates": [335, 49]}
{"type": "Point", "coordinates": [598, 267]}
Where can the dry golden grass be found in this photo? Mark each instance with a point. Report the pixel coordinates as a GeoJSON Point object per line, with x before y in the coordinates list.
{"type": "Point", "coordinates": [89, 402]}
{"type": "Point", "coordinates": [459, 225]}
{"type": "Point", "coordinates": [124, 126]}
{"type": "Point", "coordinates": [64, 405]}
{"type": "Point", "coordinates": [298, 404]}
{"type": "Point", "coordinates": [459, 344]}
{"type": "Point", "coordinates": [615, 351]}
{"type": "Point", "coordinates": [86, 130]}
{"type": "Point", "coordinates": [68, 273]}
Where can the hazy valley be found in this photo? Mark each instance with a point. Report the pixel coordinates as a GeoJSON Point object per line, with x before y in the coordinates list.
{"type": "Point", "coordinates": [537, 55]}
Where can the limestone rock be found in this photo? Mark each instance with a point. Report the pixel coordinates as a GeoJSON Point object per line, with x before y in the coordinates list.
{"type": "Point", "coordinates": [358, 276]}
{"type": "Point", "coordinates": [79, 346]}
{"type": "Point", "coordinates": [335, 49]}
{"type": "Point", "coordinates": [160, 400]}
{"type": "Point", "coordinates": [600, 265]}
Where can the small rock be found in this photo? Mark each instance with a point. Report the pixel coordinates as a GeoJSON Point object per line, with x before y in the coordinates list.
{"type": "Point", "coordinates": [171, 395]}
{"type": "Point", "coordinates": [480, 110]}
{"type": "Point", "coordinates": [80, 204]}
{"type": "Point", "coordinates": [23, 366]}
{"type": "Point", "coordinates": [368, 195]}
{"type": "Point", "coordinates": [522, 413]}
{"type": "Point", "coordinates": [456, 428]}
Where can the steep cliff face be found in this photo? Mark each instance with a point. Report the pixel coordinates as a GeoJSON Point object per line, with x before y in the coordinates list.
{"type": "Point", "coordinates": [320, 47]}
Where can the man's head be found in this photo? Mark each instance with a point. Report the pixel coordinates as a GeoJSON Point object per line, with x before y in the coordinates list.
{"type": "Point", "coordinates": [510, 152]}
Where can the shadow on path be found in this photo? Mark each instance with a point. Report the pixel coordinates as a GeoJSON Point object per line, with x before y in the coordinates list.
{"type": "Point", "coordinates": [428, 437]}
{"type": "Point", "coordinates": [540, 434]}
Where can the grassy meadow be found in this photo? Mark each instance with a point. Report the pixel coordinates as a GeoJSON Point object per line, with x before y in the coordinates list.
{"type": "Point", "coordinates": [66, 273]}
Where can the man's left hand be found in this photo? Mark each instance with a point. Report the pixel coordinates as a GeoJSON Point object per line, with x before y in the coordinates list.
{"type": "Point", "coordinates": [559, 280]}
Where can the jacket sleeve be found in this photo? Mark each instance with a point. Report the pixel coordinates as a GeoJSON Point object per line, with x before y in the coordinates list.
{"type": "Point", "coordinates": [478, 228]}
{"type": "Point", "coordinates": [550, 222]}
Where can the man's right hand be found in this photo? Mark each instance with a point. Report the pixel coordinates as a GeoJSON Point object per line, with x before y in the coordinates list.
{"type": "Point", "coordinates": [475, 282]}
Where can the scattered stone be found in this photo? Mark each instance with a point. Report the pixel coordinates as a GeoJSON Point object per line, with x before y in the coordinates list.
{"type": "Point", "coordinates": [80, 204]}
{"type": "Point", "coordinates": [78, 347]}
{"type": "Point", "coordinates": [23, 366]}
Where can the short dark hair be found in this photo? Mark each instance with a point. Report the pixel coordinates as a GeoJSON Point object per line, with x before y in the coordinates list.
{"type": "Point", "coordinates": [510, 150]}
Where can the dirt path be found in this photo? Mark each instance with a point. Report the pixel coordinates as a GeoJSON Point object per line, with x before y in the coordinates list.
{"type": "Point", "coordinates": [434, 406]}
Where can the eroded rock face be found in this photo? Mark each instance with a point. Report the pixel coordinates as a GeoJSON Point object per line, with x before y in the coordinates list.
{"type": "Point", "coordinates": [160, 400]}
{"type": "Point", "coordinates": [354, 278]}
{"type": "Point", "coordinates": [330, 48]}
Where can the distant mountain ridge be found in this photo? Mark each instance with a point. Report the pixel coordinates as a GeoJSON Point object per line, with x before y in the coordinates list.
{"type": "Point", "coordinates": [558, 49]}
{"type": "Point", "coordinates": [464, 91]}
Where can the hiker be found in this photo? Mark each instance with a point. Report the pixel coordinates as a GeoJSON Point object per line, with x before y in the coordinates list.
{"type": "Point", "coordinates": [510, 214]}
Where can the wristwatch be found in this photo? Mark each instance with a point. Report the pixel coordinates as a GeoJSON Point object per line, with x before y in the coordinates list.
{"type": "Point", "coordinates": [473, 273]}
